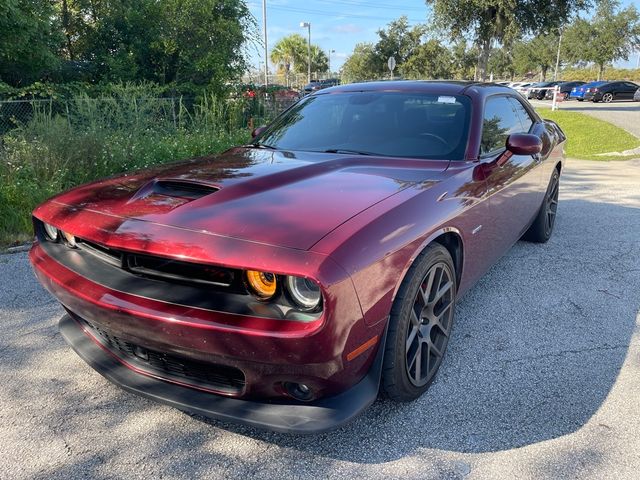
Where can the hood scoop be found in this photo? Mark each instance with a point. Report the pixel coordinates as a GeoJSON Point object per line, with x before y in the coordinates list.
{"type": "Point", "coordinates": [176, 188]}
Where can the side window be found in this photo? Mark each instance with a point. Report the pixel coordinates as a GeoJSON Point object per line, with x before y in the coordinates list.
{"type": "Point", "coordinates": [500, 120]}
{"type": "Point", "coordinates": [525, 119]}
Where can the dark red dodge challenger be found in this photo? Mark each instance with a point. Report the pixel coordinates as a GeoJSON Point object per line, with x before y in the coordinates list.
{"type": "Point", "coordinates": [286, 283]}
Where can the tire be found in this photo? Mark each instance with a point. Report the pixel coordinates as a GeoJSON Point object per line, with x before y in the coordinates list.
{"type": "Point", "coordinates": [419, 325]}
{"type": "Point", "coordinates": [607, 97]}
{"type": "Point", "coordinates": [580, 99]}
{"type": "Point", "coordinates": [542, 227]}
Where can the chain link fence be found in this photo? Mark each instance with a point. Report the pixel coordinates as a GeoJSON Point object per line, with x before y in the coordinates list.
{"type": "Point", "coordinates": [156, 113]}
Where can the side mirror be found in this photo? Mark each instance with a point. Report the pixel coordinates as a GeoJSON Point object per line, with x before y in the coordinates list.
{"type": "Point", "coordinates": [257, 131]}
{"type": "Point", "coordinates": [524, 144]}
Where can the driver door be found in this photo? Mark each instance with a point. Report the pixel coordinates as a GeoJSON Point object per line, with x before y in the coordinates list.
{"type": "Point", "coordinates": [514, 183]}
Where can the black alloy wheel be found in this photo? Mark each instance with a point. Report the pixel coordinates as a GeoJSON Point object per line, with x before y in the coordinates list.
{"type": "Point", "coordinates": [428, 333]}
{"type": "Point", "coordinates": [551, 204]}
{"type": "Point", "coordinates": [419, 325]}
{"type": "Point", "coordinates": [542, 227]}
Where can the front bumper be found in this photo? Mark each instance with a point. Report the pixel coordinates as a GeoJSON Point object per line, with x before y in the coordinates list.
{"type": "Point", "coordinates": [298, 418]}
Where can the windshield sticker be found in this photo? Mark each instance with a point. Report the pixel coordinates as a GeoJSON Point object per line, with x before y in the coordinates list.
{"type": "Point", "coordinates": [446, 99]}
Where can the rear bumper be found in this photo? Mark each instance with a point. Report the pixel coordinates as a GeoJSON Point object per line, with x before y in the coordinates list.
{"type": "Point", "coordinates": [298, 418]}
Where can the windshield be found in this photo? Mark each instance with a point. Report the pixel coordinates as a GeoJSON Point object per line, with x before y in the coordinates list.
{"type": "Point", "coordinates": [392, 124]}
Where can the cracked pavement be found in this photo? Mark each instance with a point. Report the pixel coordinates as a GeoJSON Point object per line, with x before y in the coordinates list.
{"type": "Point", "coordinates": [541, 379]}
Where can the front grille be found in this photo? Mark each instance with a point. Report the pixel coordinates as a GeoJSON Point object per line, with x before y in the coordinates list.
{"type": "Point", "coordinates": [218, 378]}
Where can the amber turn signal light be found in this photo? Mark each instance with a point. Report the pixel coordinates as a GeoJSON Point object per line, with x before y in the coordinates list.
{"type": "Point", "coordinates": [262, 284]}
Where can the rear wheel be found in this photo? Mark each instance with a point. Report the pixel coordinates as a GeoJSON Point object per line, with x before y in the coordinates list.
{"type": "Point", "coordinates": [419, 325]}
{"type": "Point", "coordinates": [607, 97]}
{"type": "Point", "coordinates": [542, 227]}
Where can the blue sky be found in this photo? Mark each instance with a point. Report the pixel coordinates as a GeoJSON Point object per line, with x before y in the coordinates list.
{"type": "Point", "coordinates": [339, 24]}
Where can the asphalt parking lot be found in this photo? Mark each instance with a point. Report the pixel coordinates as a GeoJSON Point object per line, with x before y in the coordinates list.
{"type": "Point", "coordinates": [541, 380]}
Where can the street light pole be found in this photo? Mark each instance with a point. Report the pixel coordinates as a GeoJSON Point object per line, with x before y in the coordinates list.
{"type": "Point", "coordinates": [307, 25]}
{"type": "Point", "coordinates": [266, 47]}
{"type": "Point", "coordinates": [330, 52]}
{"type": "Point", "coordinates": [555, 72]}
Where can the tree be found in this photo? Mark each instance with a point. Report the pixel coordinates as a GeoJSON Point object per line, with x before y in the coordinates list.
{"type": "Point", "coordinates": [501, 62]}
{"type": "Point", "coordinates": [363, 64]}
{"type": "Point", "coordinates": [29, 40]}
{"type": "Point", "coordinates": [319, 60]}
{"type": "Point", "coordinates": [464, 60]}
{"type": "Point", "coordinates": [501, 21]}
{"type": "Point", "coordinates": [429, 60]}
{"type": "Point", "coordinates": [197, 42]}
{"type": "Point", "coordinates": [399, 40]}
{"type": "Point", "coordinates": [538, 53]}
{"type": "Point", "coordinates": [202, 40]}
{"type": "Point", "coordinates": [291, 52]}
{"type": "Point", "coordinates": [288, 51]}
{"type": "Point", "coordinates": [611, 35]}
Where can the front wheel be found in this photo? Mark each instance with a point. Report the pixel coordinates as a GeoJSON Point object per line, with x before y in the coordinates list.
{"type": "Point", "coordinates": [419, 325]}
{"type": "Point", "coordinates": [542, 227]}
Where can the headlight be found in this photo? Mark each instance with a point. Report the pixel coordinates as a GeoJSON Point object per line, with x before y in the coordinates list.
{"type": "Point", "coordinates": [304, 292]}
{"type": "Point", "coordinates": [262, 284]}
{"type": "Point", "coordinates": [50, 231]}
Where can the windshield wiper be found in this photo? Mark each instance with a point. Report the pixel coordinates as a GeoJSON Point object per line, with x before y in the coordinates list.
{"type": "Point", "coordinates": [347, 151]}
{"type": "Point", "coordinates": [262, 145]}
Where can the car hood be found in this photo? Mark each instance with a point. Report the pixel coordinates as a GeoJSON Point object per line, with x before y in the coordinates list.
{"type": "Point", "coordinates": [290, 199]}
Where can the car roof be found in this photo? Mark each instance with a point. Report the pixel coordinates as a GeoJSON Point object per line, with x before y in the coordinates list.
{"type": "Point", "coordinates": [446, 87]}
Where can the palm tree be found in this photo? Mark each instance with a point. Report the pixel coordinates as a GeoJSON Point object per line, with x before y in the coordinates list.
{"type": "Point", "coordinates": [291, 53]}
{"type": "Point", "coordinates": [288, 52]}
{"type": "Point", "coordinates": [319, 60]}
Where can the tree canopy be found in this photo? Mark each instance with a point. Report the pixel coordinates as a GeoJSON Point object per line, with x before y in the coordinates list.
{"type": "Point", "coordinates": [29, 40]}
{"type": "Point", "coordinates": [500, 21]}
{"type": "Point", "coordinates": [197, 42]}
{"type": "Point", "coordinates": [611, 35]}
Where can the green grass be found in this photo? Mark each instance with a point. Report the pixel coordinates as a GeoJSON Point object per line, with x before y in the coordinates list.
{"type": "Point", "coordinates": [587, 136]}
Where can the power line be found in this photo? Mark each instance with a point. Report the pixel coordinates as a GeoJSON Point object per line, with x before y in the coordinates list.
{"type": "Point", "coordinates": [347, 15]}
{"type": "Point", "coordinates": [370, 5]}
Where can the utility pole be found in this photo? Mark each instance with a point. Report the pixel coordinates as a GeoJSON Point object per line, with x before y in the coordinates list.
{"type": "Point", "coordinates": [307, 25]}
{"type": "Point", "coordinates": [555, 72]}
{"type": "Point", "coordinates": [330, 52]}
{"type": "Point", "coordinates": [266, 46]}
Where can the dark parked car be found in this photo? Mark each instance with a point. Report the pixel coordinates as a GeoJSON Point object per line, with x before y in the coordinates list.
{"type": "Point", "coordinates": [316, 85]}
{"type": "Point", "coordinates": [565, 90]}
{"type": "Point", "coordinates": [539, 90]}
{"type": "Point", "coordinates": [283, 283]}
{"type": "Point", "coordinates": [610, 91]}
